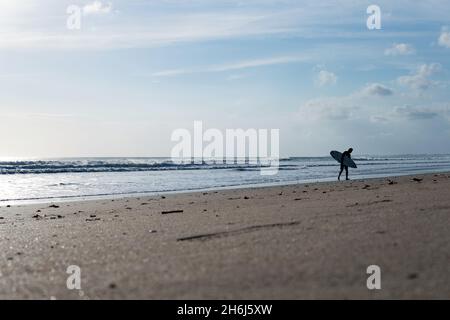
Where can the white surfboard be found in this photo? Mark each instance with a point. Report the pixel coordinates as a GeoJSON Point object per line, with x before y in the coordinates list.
{"type": "Point", "coordinates": [347, 161]}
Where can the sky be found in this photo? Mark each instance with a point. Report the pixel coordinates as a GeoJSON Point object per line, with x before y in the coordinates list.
{"type": "Point", "coordinates": [137, 70]}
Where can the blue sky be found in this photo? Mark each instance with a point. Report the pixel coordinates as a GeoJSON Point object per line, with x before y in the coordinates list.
{"type": "Point", "coordinates": [137, 70]}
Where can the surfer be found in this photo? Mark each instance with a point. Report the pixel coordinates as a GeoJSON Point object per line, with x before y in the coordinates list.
{"type": "Point", "coordinates": [343, 166]}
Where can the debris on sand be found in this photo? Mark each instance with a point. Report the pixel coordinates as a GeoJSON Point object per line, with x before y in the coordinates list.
{"type": "Point", "coordinates": [417, 180]}
{"type": "Point", "coordinates": [93, 219]}
{"type": "Point", "coordinates": [53, 206]}
{"type": "Point", "coordinates": [172, 211]}
{"type": "Point", "coordinates": [412, 276]}
{"type": "Point", "coordinates": [391, 182]}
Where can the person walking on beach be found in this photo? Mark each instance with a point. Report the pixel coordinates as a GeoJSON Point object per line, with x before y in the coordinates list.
{"type": "Point", "coordinates": [343, 166]}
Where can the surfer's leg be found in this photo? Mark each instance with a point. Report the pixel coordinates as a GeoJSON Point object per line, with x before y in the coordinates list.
{"type": "Point", "coordinates": [340, 172]}
{"type": "Point", "coordinates": [346, 173]}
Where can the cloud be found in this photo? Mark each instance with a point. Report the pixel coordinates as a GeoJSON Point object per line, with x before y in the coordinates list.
{"type": "Point", "coordinates": [379, 119]}
{"type": "Point", "coordinates": [420, 78]}
{"type": "Point", "coordinates": [150, 28]}
{"type": "Point", "coordinates": [231, 66]}
{"type": "Point", "coordinates": [325, 78]}
{"type": "Point", "coordinates": [415, 113]}
{"type": "Point", "coordinates": [376, 89]}
{"type": "Point", "coordinates": [347, 107]}
{"type": "Point", "coordinates": [148, 24]}
{"type": "Point", "coordinates": [400, 49]}
{"type": "Point", "coordinates": [410, 113]}
{"type": "Point", "coordinates": [329, 108]}
{"type": "Point", "coordinates": [97, 7]}
{"type": "Point", "coordinates": [444, 38]}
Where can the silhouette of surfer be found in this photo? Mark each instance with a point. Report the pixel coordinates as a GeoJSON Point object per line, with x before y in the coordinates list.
{"type": "Point", "coordinates": [343, 166]}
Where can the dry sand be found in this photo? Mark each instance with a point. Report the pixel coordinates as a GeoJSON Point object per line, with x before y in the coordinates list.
{"type": "Point", "coordinates": [289, 242]}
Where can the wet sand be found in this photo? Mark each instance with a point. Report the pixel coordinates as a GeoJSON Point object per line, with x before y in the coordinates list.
{"type": "Point", "coordinates": [288, 242]}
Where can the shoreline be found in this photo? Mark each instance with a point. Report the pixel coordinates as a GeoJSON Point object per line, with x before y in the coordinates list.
{"type": "Point", "coordinates": [65, 199]}
{"type": "Point", "coordinates": [300, 241]}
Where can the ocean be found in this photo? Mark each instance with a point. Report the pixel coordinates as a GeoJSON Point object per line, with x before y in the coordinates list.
{"type": "Point", "coordinates": [43, 180]}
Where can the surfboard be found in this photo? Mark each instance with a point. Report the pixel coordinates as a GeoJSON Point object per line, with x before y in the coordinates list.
{"type": "Point", "coordinates": [347, 161]}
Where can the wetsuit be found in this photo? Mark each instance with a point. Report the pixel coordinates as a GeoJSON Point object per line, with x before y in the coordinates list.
{"type": "Point", "coordinates": [345, 153]}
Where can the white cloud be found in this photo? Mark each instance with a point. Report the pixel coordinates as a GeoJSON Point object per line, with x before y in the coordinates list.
{"type": "Point", "coordinates": [231, 66]}
{"type": "Point", "coordinates": [415, 113]}
{"type": "Point", "coordinates": [420, 79]}
{"type": "Point", "coordinates": [325, 78]}
{"type": "Point", "coordinates": [97, 7]}
{"type": "Point", "coordinates": [399, 49]}
{"type": "Point", "coordinates": [378, 119]}
{"type": "Point", "coordinates": [411, 112]}
{"type": "Point", "coordinates": [376, 89]}
{"type": "Point", "coordinates": [147, 29]}
{"type": "Point", "coordinates": [444, 38]}
{"type": "Point", "coordinates": [146, 24]}
{"type": "Point", "coordinates": [354, 105]}
{"type": "Point", "coordinates": [328, 108]}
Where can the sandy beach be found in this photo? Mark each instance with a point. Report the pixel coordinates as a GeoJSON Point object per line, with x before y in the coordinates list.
{"type": "Point", "coordinates": [286, 242]}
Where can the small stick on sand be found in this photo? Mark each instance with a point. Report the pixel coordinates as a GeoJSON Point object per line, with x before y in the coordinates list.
{"type": "Point", "coordinates": [172, 211]}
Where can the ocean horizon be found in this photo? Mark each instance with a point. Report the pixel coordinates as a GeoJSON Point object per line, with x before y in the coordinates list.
{"type": "Point", "coordinates": [62, 179]}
